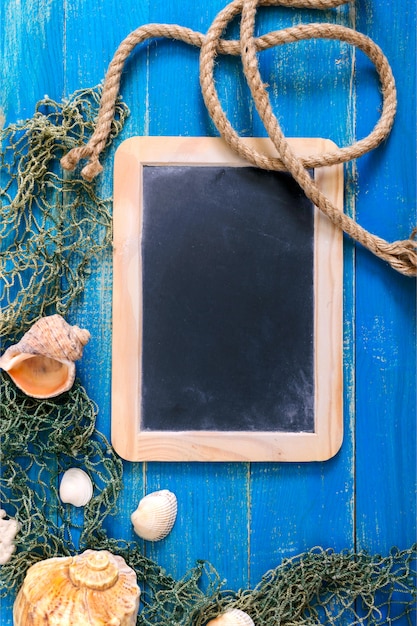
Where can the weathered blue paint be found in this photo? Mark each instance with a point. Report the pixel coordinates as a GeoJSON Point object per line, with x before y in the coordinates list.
{"type": "Point", "coordinates": [385, 301]}
{"type": "Point", "coordinates": [245, 518]}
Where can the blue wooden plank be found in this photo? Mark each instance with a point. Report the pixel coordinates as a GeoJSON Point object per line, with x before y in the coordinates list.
{"type": "Point", "coordinates": [295, 507]}
{"type": "Point", "coordinates": [31, 64]}
{"type": "Point", "coordinates": [93, 32]}
{"type": "Point", "coordinates": [158, 107]}
{"type": "Point", "coordinates": [26, 75]}
{"type": "Point", "coordinates": [212, 499]}
{"type": "Point", "coordinates": [386, 322]}
{"type": "Point", "coordinates": [212, 521]}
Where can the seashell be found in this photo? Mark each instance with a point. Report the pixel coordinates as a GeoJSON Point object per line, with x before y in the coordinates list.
{"type": "Point", "coordinates": [232, 617]}
{"type": "Point", "coordinates": [95, 587]}
{"type": "Point", "coordinates": [76, 487]}
{"type": "Point", "coordinates": [41, 364]}
{"type": "Point", "coordinates": [155, 516]}
{"type": "Point", "coordinates": [8, 531]}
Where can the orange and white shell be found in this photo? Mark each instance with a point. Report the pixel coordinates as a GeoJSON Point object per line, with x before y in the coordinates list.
{"type": "Point", "coordinates": [155, 516]}
{"type": "Point", "coordinates": [95, 588]}
{"type": "Point", "coordinates": [232, 617]}
{"type": "Point", "coordinates": [42, 364]}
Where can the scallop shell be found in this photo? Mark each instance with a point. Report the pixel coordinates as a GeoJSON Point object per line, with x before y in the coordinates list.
{"type": "Point", "coordinates": [41, 364]}
{"type": "Point", "coordinates": [155, 516]}
{"type": "Point", "coordinates": [76, 487]}
{"type": "Point", "coordinates": [95, 587]}
{"type": "Point", "coordinates": [232, 617]}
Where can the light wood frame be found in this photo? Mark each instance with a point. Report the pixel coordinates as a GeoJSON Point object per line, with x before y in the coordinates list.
{"type": "Point", "coordinates": [134, 444]}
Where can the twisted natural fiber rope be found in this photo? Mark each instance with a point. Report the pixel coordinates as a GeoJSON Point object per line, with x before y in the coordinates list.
{"type": "Point", "coordinates": [401, 255]}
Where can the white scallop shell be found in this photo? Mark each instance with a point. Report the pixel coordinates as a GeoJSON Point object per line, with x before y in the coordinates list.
{"type": "Point", "coordinates": [232, 617]}
{"type": "Point", "coordinates": [155, 515]}
{"type": "Point", "coordinates": [76, 487]}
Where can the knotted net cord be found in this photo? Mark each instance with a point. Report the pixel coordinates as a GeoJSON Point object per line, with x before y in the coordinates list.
{"type": "Point", "coordinates": [40, 439]}
{"type": "Point", "coordinates": [53, 228]}
{"type": "Point", "coordinates": [402, 254]}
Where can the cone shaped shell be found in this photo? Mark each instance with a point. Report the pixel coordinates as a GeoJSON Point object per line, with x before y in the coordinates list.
{"type": "Point", "coordinates": [76, 487]}
{"type": "Point", "coordinates": [41, 364]}
{"type": "Point", "coordinates": [232, 617]}
{"type": "Point", "coordinates": [94, 588]}
{"type": "Point", "coordinates": [155, 516]}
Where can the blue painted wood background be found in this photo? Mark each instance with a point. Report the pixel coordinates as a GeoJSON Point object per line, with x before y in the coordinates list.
{"type": "Point", "coordinates": [242, 517]}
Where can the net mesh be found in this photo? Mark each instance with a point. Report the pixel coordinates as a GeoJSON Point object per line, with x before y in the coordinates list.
{"type": "Point", "coordinates": [52, 228]}
{"type": "Point", "coordinates": [40, 439]}
{"type": "Point", "coordinates": [52, 225]}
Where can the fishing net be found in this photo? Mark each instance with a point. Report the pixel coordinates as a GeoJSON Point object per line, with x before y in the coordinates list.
{"type": "Point", "coordinates": [52, 225]}
{"type": "Point", "coordinates": [40, 439]}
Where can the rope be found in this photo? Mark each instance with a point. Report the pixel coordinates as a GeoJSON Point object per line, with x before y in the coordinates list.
{"type": "Point", "coordinates": [402, 254]}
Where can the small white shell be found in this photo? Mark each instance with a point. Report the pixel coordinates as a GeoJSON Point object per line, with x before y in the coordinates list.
{"type": "Point", "coordinates": [155, 516]}
{"type": "Point", "coordinates": [8, 531]}
{"type": "Point", "coordinates": [76, 487]}
{"type": "Point", "coordinates": [232, 617]}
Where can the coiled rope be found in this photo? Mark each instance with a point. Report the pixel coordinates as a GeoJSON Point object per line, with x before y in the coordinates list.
{"type": "Point", "coordinates": [402, 254]}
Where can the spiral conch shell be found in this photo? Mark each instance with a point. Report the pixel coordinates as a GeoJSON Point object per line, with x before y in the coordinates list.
{"type": "Point", "coordinates": [94, 588]}
{"type": "Point", "coordinates": [232, 617]}
{"type": "Point", "coordinates": [155, 516]}
{"type": "Point", "coordinates": [76, 487]}
{"type": "Point", "coordinates": [42, 364]}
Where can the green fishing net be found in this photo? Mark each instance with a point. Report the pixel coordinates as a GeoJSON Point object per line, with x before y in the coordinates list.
{"type": "Point", "coordinates": [41, 439]}
{"type": "Point", "coordinates": [53, 228]}
{"type": "Point", "coordinates": [53, 225]}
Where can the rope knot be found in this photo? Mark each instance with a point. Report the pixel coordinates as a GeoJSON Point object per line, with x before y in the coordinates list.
{"type": "Point", "coordinates": [71, 159]}
{"type": "Point", "coordinates": [92, 169]}
{"type": "Point", "coordinates": [405, 256]}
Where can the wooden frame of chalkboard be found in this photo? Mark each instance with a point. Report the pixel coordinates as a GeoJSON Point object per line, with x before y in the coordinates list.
{"type": "Point", "coordinates": [134, 437]}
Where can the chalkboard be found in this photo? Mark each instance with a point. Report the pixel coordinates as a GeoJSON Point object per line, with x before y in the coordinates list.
{"type": "Point", "coordinates": [228, 317]}
{"type": "Point", "coordinates": [226, 307]}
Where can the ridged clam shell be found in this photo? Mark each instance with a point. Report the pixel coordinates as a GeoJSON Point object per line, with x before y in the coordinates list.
{"type": "Point", "coordinates": [76, 487]}
{"type": "Point", "coordinates": [94, 588]}
{"type": "Point", "coordinates": [41, 364]}
{"type": "Point", "coordinates": [155, 516]}
{"type": "Point", "coordinates": [232, 617]}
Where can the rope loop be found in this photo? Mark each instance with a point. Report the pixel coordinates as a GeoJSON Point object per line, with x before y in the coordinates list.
{"type": "Point", "coordinates": [401, 255]}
